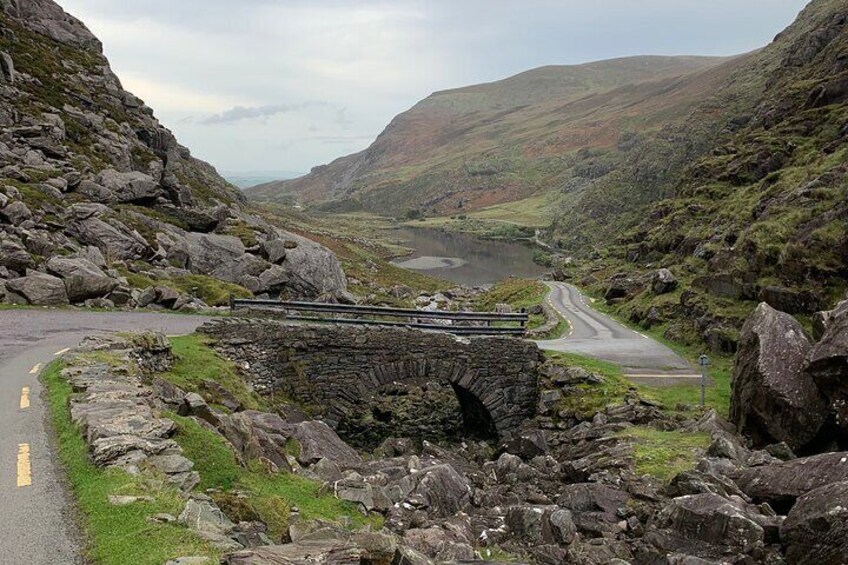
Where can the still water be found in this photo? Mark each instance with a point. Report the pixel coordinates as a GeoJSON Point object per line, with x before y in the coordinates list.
{"type": "Point", "coordinates": [465, 259]}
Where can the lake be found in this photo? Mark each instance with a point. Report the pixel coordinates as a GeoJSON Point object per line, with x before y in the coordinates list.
{"type": "Point", "coordinates": [466, 259]}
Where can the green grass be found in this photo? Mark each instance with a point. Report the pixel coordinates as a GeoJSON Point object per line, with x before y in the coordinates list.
{"type": "Point", "coordinates": [197, 362]}
{"type": "Point", "coordinates": [521, 293]}
{"type": "Point", "coordinates": [210, 290]}
{"type": "Point", "coordinates": [665, 454]}
{"type": "Point", "coordinates": [219, 469]}
{"type": "Point", "coordinates": [116, 535]}
{"type": "Point", "coordinates": [588, 399]}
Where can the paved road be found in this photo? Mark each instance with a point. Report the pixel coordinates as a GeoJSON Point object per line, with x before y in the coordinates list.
{"type": "Point", "coordinates": [37, 522]}
{"type": "Point", "coordinates": [595, 335]}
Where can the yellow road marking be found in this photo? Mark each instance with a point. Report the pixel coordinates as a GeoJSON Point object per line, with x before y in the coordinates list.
{"type": "Point", "coordinates": [25, 398]}
{"type": "Point", "coordinates": [62, 351]}
{"type": "Point", "coordinates": [35, 369]}
{"type": "Point", "coordinates": [24, 467]}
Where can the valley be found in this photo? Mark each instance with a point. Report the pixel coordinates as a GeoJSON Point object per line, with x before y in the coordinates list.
{"type": "Point", "coordinates": [511, 298]}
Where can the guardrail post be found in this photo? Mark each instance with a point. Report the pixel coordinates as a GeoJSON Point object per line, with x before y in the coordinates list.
{"type": "Point", "coordinates": [524, 320]}
{"type": "Point", "coordinates": [232, 302]}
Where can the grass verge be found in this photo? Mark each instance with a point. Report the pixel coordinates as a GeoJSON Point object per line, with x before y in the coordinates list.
{"type": "Point", "coordinates": [196, 362]}
{"type": "Point", "coordinates": [116, 535]}
{"type": "Point", "coordinates": [268, 496]}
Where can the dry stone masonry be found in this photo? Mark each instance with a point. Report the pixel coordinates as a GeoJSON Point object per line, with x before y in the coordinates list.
{"type": "Point", "coordinates": [339, 370]}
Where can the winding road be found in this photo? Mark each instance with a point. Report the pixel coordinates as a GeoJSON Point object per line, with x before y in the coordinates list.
{"type": "Point", "coordinates": [37, 522]}
{"type": "Point", "coordinates": [593, 334]}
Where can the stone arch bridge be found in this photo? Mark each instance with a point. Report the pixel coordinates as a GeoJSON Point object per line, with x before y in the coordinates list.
{"type": "Point", "coordinates": [337, 370]}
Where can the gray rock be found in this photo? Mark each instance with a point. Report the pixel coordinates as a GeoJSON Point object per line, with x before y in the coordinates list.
{"type": "Point", "coordinates": [190, 560]}
{"type": "Point", "coordinates": [712, 519]}
{"type": "Point", "coordinates": [274, 250]}
{"type": "Point", "coordinates": [83, 279]}
{"type": "Point", "coordinates": [7, 68]}
{"type": "Point", "coordinates": [562, 526]}
{"type": "Point", "coordinates": [273, 280]}
{"type": "Point", "coordinates": [313, 269]}
{"type": "Point", "coordinates": [16, 213]}
{"type": "Point", "coordinates": [782, 483]}
{"type": "Point", "coordinates": [115, 244]}
{"type": "Point", "coordinates": [40, 289]}
{"type": "Point", "coordinates": [146, 297]}
{"type": "Point", "coordinates": [318, 441]}
{"type": "Point", "coordinates": [210, 252]}
{"type": "Point", "coordinates": [442, 545]}
{"type": "Point", "coordinates": [202, 516]}
{"type": "Point", "coordinates": [47, 18]}
{"type": "Point", "coordinates": [14, 256]}
{"type": "Point", "coordinates": [130, 187]}
{"type": "Point", "coordinates": [663, 282]}
{"type": "Point", "coordinates": [442, 490]}
{"type": "Point", "coordinates": [828, 368]}
{"type": "Point", "coordinates": [816, 529]}
{"type": "Point", "coordinates": [772, 400]}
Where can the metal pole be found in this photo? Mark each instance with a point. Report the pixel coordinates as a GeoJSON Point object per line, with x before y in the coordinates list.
{"type": "Point", "coordinates": [703, 360]}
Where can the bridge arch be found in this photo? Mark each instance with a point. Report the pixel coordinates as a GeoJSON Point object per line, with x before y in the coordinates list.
{"type": "Point", "coordinates": [342, 373]}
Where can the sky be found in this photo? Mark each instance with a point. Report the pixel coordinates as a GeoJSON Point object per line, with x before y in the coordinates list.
{"type": "Point", "coordinates": [285, 85]}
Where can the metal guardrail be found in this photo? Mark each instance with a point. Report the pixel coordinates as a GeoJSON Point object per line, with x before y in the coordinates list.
{"type": "Point", "coordinates": [460, 323]}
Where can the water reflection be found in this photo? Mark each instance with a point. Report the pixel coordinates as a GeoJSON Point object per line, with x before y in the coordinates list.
{"type": "Point", "coordinates": [465, 259]}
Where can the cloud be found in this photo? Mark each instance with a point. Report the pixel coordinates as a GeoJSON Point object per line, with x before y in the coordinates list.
{"type": "Point", "coordinates": [240, 113]}
{"type": "Point", "coordinates": [296, 83]}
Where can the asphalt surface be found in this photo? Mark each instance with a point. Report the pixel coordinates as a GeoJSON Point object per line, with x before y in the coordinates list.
{"type": "Point", "coordinates": [596, 335]}
{"type": "Point", "coordinates": [37, 518]}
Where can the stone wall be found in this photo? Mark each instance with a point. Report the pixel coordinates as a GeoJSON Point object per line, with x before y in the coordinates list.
{"type": "Point", "coordinates": [342, 373]}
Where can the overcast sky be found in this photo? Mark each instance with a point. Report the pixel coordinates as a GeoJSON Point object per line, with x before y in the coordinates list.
{"type": "Point", "coordinates": [258, 85]}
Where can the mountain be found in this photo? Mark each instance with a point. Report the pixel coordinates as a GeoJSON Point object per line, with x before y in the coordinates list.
{"type": "Point", "coordinates": [247, 179]}
{"type": "Point", "coordinates": [761, 215]}
{"type": "Point", "coordinates": [729, 173]}
{"type": "Point", "coordinates": [472, 147]}
{"type": "Point", "coordinates": [100, 204]}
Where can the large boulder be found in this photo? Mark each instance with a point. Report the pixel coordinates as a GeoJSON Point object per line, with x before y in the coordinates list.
{"type": "Point", "coordinates": [441, 490]}
{"type": "Point", "coordinates": [772, 399]}
{"type": "Point", "coordinates": [781, 484]}
{"type": "Point", "coordinates": [130, 187]}
{"type": "Point", "coordinates": [83, 279]}
{"type": "Point", "coordinates": [39, 289]}
{"type": "Point", "coordinates": [318, 441]}
{"type": "Point", "coordinates": [115, 240]}
{"type": "Point", "coordinates": [828, 367]}
{"type": "Point", "coordinates": [816, 529]}
{"type": "Point", "coordinates": [212, 252]}
{"type": "Point", "coordinates": [313, 269]}
{"type": "Point", "coordinates": [709, 525]}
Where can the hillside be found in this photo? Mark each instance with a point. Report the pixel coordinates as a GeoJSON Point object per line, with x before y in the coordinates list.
{"type": "Point", "coordinates": [762, 215]}
{"type": "Point", "coordinates": [472, 147]}
{"type": "Point", "coordinates": [730, 173]}
{"type": "Point", "coordinates": [100, 204]}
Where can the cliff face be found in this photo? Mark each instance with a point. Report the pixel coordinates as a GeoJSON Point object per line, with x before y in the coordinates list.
{"type": "Point", "coordinates": [89, 176]}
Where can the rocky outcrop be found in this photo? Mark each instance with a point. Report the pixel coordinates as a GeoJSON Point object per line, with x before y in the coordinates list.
{"type": "Point", "coordinates": [772, 398]}
{"type": "Point", "coordinates": [86, 164]}
{"type": "Point", "coordinates": [816, 529]}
